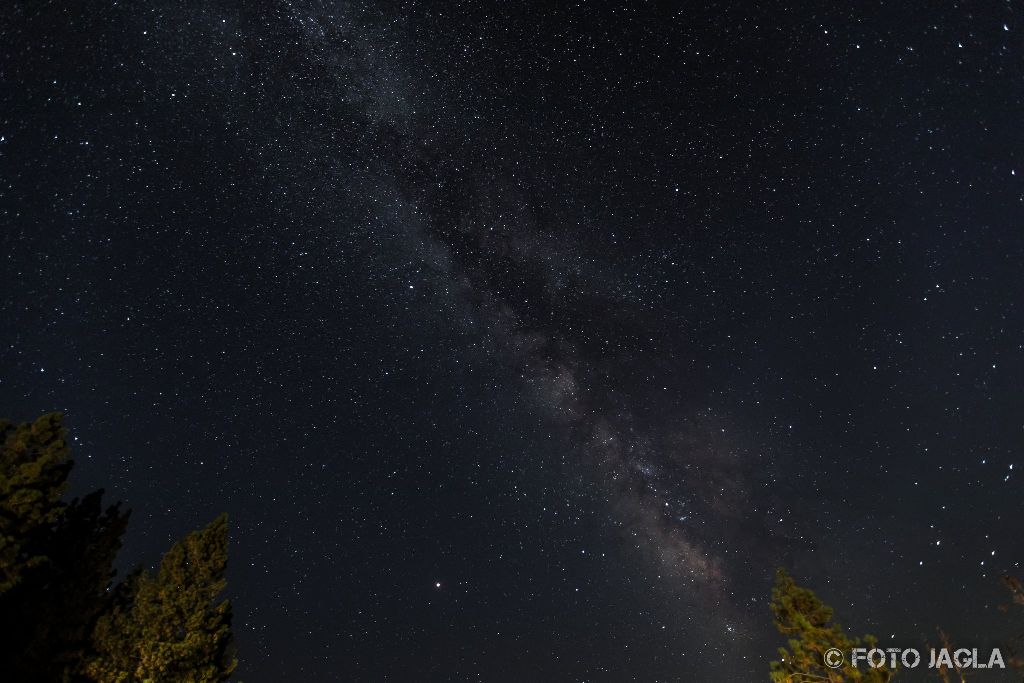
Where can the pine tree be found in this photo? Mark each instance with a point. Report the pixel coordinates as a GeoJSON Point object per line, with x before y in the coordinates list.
{"type": "Point", "coordinates": [799, 614]}
{"type": "Point", "coordinates": [54, 608]}
{"type": "Point", "coordinates": [1016, 587]}
{"type": "Point", "coordinates": [62, 618]}
{"type": "Point", "coordinates": [170, 628]}
{"type": "Point", "coordinates": [34, 468]}
{"type": "Point", "coordinates": [56, 559]}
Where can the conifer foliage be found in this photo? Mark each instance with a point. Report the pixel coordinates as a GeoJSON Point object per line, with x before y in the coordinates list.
{"type": "Point", "coordinates": [35, 463]}
{"type": "Point", "coordinates": [807, 621]}
{"type": "Point", "coordinates": [169, 627]}
{"type": "Point", "coordinates": [64, 617]}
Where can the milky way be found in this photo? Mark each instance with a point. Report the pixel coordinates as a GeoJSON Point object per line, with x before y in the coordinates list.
{"type": "Point", "coordinates": [521, 283]}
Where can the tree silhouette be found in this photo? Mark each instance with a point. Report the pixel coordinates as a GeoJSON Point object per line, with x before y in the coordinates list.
{"type": "Point", "coordinates": [64, 619]}
{"type": "Point", "coordinates": [35, 465]}
{"type": "Point", "coordinates": [170, 628]}
{"type": "Point", "coordinates": [807, 621]}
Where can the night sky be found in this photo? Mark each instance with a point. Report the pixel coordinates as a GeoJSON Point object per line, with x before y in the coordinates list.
{"type": "Point", "coordinates": [523, 342]}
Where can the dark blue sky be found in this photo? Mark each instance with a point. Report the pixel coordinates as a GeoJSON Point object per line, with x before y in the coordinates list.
{"type": "Point", "coordinates": [524, 343]}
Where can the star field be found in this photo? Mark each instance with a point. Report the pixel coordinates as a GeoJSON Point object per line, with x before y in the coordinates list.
{"type": "Point", "coordinates": [524, 342]}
